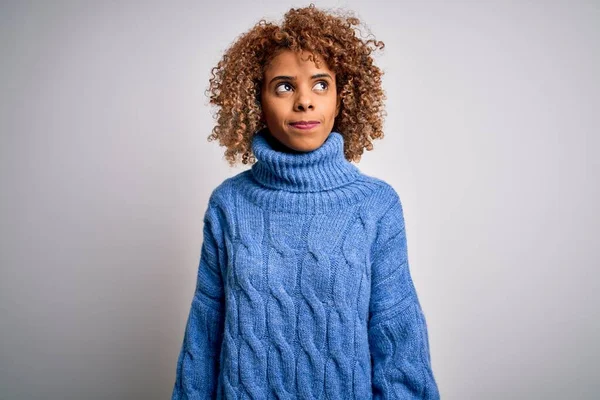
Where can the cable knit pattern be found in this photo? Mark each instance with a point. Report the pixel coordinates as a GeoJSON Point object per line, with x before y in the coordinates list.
{"type": "Point", "coordinates": [303, 288]}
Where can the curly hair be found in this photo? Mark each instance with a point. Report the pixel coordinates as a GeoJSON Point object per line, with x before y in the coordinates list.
{"type": "Point", "coordinates": [236, 81]}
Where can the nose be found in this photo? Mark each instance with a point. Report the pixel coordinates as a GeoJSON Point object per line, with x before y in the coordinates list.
{"type": "Point", "coordinates": [303, 101]}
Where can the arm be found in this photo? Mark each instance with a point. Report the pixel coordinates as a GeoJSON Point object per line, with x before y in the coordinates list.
{"type": "Point", "coordinates": [397, 328]}
{"type": "Point", "coordinates": [198, 362]}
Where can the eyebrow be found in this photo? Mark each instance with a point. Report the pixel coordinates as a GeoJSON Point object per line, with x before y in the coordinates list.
{"type": "Point", "coordinates": [293, 78]}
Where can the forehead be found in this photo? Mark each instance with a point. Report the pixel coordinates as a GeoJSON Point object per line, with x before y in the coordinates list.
{"type": "Point", "coordinates": [288, 60]}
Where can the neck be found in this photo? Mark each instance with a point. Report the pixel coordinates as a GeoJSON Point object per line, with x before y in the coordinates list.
{"type": "Point", "coordinates": [279, 167]}
{"type": "Point", "coordinates": [275, 144]}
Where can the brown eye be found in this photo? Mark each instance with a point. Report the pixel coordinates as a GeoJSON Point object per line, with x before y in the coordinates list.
{"type": "Point", "coordinates": [325, 84]}
{"type": "Point", "coordinates": [287, 85]}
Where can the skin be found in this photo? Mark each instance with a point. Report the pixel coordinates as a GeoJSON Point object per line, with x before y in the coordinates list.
{"type": "Point", "coordinates": [291, 92]}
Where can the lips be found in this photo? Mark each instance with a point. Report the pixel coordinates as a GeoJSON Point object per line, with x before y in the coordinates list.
{"type": "Point", "coordinates": [304, 124]}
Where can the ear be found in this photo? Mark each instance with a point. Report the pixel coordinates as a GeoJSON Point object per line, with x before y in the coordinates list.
{"type": "Point", "coordinates": [338, 105]}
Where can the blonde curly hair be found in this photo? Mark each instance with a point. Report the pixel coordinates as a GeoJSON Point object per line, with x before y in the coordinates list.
{"type": "Point", "coordinates": [237, 79]}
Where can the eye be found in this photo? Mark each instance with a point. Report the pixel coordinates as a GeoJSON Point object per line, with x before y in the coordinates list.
{"type": "Point", "coordinates": [325, 84]}
{"type": "Point", "coordinates": [285, 84]}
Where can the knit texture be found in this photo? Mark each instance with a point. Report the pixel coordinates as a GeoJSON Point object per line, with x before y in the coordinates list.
{"type": "Point", "coordinates": [303, 288]}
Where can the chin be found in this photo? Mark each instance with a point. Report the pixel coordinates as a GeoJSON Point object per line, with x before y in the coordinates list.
{"type": "Point", "coordinates": [307, 143]}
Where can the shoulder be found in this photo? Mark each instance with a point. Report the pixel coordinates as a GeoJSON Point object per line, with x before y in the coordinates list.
{"type": "Point", "coordinates": [220, 205]}
{"type": "Point", "coordinates": [384, 197]}
{"type": "Point", "coordinates": [222, 195]}
{"type": "Point", "coordinates": [388, 211]}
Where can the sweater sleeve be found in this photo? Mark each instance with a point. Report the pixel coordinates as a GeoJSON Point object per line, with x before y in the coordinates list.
{"type": "Point", "coordinates": [198, 363]}
{"type": "Point", "coordinates": [398, 336]}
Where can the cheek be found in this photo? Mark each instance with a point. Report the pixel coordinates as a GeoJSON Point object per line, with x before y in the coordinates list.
{"type": "Point", "coordinates": [333, 107]}
{"type": "Point", "coordinates": [266, 110]}
{"type": "Point", "coordinates": [274, 112]}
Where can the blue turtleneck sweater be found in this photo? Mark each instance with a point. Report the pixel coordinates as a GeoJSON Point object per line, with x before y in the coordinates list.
{"type": "Point", "coordinates": [303, 288]}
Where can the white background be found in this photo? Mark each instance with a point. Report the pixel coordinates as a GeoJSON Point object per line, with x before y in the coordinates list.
{"type": "Point", "coordinates": [491, 140]}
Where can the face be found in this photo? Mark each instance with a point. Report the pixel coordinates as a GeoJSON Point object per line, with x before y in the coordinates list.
{"type": "Point", "coordinates": [299, 101]}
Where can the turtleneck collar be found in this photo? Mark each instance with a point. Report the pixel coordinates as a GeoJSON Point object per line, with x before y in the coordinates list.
{"type": "Point", "coordinates": [321, 169]}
